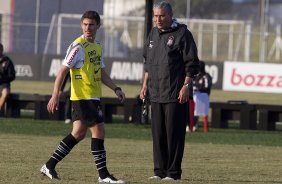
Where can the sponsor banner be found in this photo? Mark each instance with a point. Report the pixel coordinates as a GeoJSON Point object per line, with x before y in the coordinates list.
{"type": "Point", "coordinates": [122, 71]}
{"type": "Point", "coordinates": [27, 66]}
{"type": "Point", "coordinates": [51, 65]}
{"type": "Point", "coordinates": [131, 72]}
{"type": "Point", "coordinates": [252, 77]}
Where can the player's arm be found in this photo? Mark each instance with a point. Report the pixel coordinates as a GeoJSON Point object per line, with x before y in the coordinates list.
{"type": "Point", "coordinates": [54, 101]}
{"type": "Point", "coordinates": [59, 80]}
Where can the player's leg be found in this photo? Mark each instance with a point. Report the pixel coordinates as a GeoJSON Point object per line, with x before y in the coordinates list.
{"type": "Point", "coordinates": [196, 121]}
{"type": "Point", "coordinates": [99, 154]}
{"type": "Point", "coordinates": [205, 123]}
{"type": "Point", "coordinates": [79, 130]}
{"type": "Point", "coordinates": [65, 146]}
{"type": "Point", "coordinates": [98, 149]}
{"type": "Point", "coordinates": [97, 130]}
{"type": "Point", "coordinates": [4, 95]}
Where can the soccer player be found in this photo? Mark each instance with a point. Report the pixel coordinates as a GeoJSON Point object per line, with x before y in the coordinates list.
{"type": "Point", "coordinates": [84, 60]}
{"type": "Point", "coordinates": [202, 89]}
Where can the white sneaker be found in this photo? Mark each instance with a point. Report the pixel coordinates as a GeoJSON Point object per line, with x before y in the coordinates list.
{"type": "Point", "coordinates": [67, 121]}
{"type": "Point", "coordinates": [168, 179]}
{"type": "Point", "coordinates": [187, 129]}
{"type": "Point", "coordinates": [155, 178]}
{"type": "Point", "coordinates": [51, 173]}
{"type": "Point", "coordinates": [110, 179]}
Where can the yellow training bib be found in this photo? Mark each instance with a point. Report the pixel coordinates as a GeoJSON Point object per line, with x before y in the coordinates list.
{"type": "Point", "coordinates": [86, 81]}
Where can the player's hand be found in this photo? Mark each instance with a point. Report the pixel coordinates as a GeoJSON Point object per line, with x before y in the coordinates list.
{"type": "Point", "coordinates": [120, 94]}
{"type": "Point", "coordinates": [52, 104]}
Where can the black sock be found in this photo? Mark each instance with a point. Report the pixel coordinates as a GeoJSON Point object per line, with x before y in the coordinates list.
{"type": "Point", "coordinates": [63, 150]}
{"type": "Point", "coordinates": [99, 154]}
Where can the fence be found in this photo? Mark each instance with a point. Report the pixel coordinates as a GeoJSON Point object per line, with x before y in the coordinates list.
{"type": "Point", "coordinates": [123, 37]}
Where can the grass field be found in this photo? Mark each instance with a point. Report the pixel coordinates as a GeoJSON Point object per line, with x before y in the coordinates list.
{"type": "Point", "coordinates": [222, 156]}
{"type": "Point", "coordinates": [228, 156]}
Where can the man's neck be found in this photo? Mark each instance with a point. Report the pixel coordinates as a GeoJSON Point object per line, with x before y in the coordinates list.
{"type": "Point", "coordinates": [89, 39]}
{"type": "Point", "coordinates": [164, 30]}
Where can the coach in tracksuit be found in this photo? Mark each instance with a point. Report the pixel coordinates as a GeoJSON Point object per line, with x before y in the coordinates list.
{"type": "Point", "coordinates": [170, 63]}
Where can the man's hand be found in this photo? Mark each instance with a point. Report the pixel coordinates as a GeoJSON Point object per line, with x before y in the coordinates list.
{"type": "Point", "coordinates": [120, 94]}
{"type": "Point", "coordinates": [53, 104]}
{"type": "Point", "coordinates": [183, 95]}
{"type": "Point", "coordinates": [143, 93]}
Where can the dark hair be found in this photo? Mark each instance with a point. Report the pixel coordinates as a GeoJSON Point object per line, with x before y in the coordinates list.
{"type": "Point", "coordinates": [163, 5]}
{"type": "Point", "coordinates": [91, 15]}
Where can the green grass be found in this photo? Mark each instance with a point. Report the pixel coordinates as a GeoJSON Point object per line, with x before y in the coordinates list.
{"type": "Point", "coordinates": [219, 156]}
{"type": "Point", "coordinates": [143, 132]}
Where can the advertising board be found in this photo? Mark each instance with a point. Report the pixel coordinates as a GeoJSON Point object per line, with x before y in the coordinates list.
{"type": "Point", "coordinates": [252, 77]}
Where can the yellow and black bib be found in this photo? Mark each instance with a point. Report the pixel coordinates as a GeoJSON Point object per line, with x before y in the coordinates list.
{"type": "Point", "coordinates": [86, 81]}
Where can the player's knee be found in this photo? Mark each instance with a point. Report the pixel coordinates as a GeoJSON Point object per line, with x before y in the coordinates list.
{"type": "Point", "coordinates": [79, 135]}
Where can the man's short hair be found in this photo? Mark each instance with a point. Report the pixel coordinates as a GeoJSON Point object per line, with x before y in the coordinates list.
{"type": "Point", "coordinates": [164, 5]}
{"type": "Point", "coordinates": [91, 15]}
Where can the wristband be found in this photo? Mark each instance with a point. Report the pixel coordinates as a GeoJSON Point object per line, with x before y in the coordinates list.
{"type": "Point", "coordinates": [117, 88]}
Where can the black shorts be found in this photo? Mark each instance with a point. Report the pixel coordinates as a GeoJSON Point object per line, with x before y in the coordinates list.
{"type": "Point", "coordinates": [88, 111]}
{"type": "Point", "coordinates": [4, 85]}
